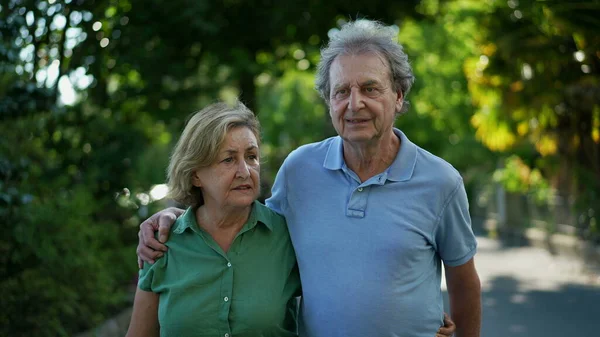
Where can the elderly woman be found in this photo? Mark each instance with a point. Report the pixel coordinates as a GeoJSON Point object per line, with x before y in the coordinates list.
{"type": "Point", "coordinates": [230, 269]}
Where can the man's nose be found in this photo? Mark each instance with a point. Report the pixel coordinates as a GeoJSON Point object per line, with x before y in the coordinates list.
{"type": "Point", "coordinates": [356, 100]}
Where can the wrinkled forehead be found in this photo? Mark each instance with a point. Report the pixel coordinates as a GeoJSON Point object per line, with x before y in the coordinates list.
{"type": "Point", "coordinates": [239, 139]}
{"type": "Point", "coordinates": [242, 129]}
{"type": "Point", "coordinates": [359, 67]}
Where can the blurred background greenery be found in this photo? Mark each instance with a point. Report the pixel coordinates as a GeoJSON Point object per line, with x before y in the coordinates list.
{"type": "Point", "coordinates": [93, 93]}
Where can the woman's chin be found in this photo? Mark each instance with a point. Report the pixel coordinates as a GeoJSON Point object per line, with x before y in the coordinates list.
{"type": "Point", "coordinates": [242, 202]}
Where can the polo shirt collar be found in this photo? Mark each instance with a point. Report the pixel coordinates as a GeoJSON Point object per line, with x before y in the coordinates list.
{"type": "Point", "coordinates": [401, 169]}
{"type": "Point", "coordinates": [403, 166]}
{"type": "Point", "coordinates": [258, 215]}
{"type": "Point", "coordinates": [334, 158]}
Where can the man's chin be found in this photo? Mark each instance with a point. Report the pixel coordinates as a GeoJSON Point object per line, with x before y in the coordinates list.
{"type": "Point", "coordinates": [359, 138]}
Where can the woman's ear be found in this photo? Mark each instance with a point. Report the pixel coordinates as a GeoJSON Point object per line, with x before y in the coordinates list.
{"type": "Point", "coordinates": [196, 179]}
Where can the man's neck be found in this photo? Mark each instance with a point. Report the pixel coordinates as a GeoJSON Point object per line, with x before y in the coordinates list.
{"type": "Point", "coordinates": [370, 159]}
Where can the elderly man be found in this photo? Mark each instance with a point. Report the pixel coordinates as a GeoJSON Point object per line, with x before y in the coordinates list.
{"type": "Point", "coordinates": [372, 216]}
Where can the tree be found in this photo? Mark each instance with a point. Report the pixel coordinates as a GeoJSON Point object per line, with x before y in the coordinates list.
{"type": "Point", "coordinates": [537, 90]}
{"type": "Point", "coordinates": [92, 89]}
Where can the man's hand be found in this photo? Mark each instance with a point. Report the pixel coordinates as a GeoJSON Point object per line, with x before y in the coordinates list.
{"type": "Point", "coordinates": [448, 329]}
{"type": "Point", "coordinates": [149, 248]}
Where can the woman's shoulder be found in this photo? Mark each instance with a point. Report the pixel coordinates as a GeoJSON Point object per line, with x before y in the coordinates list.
{"type": "Point", "coordinates": [269, 216]}
{"type": "Point", "coordinates": [186, 220]}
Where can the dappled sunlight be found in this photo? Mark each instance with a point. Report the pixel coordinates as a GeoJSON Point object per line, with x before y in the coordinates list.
{"type": "Point", "coordinates": [159, 192]}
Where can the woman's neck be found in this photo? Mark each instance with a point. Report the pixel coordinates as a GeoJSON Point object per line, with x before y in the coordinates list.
{"type": "Point", "coordinates": [222, 225]}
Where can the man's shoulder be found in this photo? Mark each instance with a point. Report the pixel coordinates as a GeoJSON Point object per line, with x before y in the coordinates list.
{"type": "Point", "coordinates": [431, 161]}
{"type": "Point", "coordinates": [439, 170]}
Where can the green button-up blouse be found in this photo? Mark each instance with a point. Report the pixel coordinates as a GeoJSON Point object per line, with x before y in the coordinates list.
{"type": "Point", "coordinates": [248, 291]}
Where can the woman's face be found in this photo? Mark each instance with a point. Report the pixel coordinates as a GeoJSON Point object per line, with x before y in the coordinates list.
{"type": "Point", "coordinates": [233, 180]}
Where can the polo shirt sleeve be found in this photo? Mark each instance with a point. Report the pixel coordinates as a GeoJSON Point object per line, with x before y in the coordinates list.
{"type": "Point", "coordinates": [152, 275]}
{"type": "Point", "coordinates": [454, 237]}
{"type": "Point", "coordinates": [278, 200]}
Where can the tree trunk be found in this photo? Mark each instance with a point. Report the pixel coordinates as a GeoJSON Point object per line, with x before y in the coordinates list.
{"type": "Point", "coordinates": [248, 90]}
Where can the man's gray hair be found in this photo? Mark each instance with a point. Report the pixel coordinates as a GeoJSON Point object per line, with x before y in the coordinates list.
{"type": "Point", "coordinates": [363, 37]}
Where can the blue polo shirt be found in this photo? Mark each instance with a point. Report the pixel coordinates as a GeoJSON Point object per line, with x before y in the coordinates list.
{"type": "Point", "coordinates": [370, 253]}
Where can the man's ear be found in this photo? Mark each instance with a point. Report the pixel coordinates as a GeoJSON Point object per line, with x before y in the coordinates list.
{"type": "Point", "coordinates": [196, 179]}
{"type": "Point", "coordinates": [399, 100]}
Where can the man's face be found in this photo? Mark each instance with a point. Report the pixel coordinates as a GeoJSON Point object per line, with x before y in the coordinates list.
{"type": "Point", "coordinates": [362, 100]}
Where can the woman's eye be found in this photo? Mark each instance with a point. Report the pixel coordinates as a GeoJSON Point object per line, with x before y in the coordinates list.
{"type": "Point", "coordinates": [227, 160]}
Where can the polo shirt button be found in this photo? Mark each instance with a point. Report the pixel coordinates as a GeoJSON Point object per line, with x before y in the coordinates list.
{"type": "Point", "coordinates": [228, 264]}
{"type": "Point", "coordinates": [226, 335]}
{"type": "Point", "coordinates": [360, 189]}
{"type": "Point", "coordinates": [226, 299]}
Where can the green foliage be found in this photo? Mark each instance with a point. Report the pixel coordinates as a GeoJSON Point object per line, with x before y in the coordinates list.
{"type": "Point", "coordinates": [66, 258]}
{"type": "Point", "coordinates": [441, 108]}
{"type": "Point", "coordinates": [517, 177]}
{"type": "Point", "coordinates": [67, 249]}
{"type": "Point", "coordinates": [94, 93]}
{"type": "Point", "coordinates": [292, 114]}
{"type": "Point", "coordinates": [537, 91]}
{"type": "Point", "coordinates": [60, 272]}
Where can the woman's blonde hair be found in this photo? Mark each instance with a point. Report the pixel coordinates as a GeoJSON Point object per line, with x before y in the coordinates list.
{"type": "Point", "coordinates": [199, 144]}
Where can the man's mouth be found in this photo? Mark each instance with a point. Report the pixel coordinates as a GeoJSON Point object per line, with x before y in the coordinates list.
{"type": "Point", "coordinates": [356, 120]}
{"type": "Point", "coordinates": [243, 187]}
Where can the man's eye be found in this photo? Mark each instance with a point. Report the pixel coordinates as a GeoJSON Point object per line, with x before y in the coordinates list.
{"type": "Point", "coordinates": [253, 157]}
{"type": "Point", "coordinates": [341, 92]}
{"type": "Point", "coordinates": [370, 89]}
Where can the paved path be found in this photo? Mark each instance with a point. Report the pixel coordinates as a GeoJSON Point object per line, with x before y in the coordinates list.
{"type": "Point", "coordinates": [529, 292]}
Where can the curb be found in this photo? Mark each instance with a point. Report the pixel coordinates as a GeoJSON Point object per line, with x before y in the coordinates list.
{"type": "Point", "coordinates": [564, 244]}
{"type": "Point", "coordinates": [556, 243]}
{"type": "Point", "coordinates": [116, 326]}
